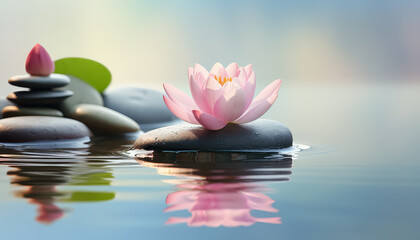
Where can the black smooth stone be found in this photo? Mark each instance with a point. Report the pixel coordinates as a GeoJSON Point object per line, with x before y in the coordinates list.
{"type": "Point", "coordinates": [103, 120]}
{"type": "Point", "coordinates": [145, 106]}
{"type": "Point", "coordinates": [40, 128]}
{"type": "Point", "coordinates": [5, 103]}
{"type": "Point", "coordinates": [40, 82]}
{"type": "Point", "coordinates": [83, 94]}
{"type": "Point", "coordinates": [39, 98]}
{"type": "Point", "coordinates": [257, 135]}
{"type": "Point", "coordinates": [16, 111]}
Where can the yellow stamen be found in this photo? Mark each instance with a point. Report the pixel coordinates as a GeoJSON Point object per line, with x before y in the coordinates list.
{"type": "Point", "coordinates": [222, 81]}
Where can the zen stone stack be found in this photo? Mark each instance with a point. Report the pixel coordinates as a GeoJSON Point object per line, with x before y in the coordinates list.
{"type": "Point", "coordinates": [41, 95]}
{"type": "Point", "coordinates": [30, 116]}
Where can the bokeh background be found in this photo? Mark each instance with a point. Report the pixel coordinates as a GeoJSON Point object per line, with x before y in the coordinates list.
{"type": "Point", "coordinates": [369, 49]}
{"type": "Point", "coordinates": [150, 42]}
{"type": "Point", "coordinates": [350, 91]}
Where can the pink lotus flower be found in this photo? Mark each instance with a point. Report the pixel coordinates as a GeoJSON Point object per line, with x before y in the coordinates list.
{"type": "Point", "coordinates": [221, 96]}
{"type": "Point", "coordinates": [38, 62]}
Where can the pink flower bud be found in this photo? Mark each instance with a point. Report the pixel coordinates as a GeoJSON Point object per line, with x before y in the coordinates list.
{"type": "Point", "coordinates": [38, 62]}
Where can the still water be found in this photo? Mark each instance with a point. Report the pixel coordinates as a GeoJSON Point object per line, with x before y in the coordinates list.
{"type": "Point", "coordinates": [352, 174]}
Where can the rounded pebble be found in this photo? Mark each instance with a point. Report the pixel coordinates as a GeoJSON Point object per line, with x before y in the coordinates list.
{"type": "Point", "coordinates": [145, 106]}
{"type": "Point", "coordinates": [259, 134]}
{"type": "Point", "coordinates": [103, 120]}
{"type": "Point", "coordinates": [4, 103]}
{"type": "Point", "coordinates": [40, 128]}
{"type": "Point", "coordinates": [40, 82]}
{"type": "Point", "coordinates": [39, 98]}
{"type": "Point", "coordinates": [15, 111]}
{"type": "Point", "coordinates": [83, 94]}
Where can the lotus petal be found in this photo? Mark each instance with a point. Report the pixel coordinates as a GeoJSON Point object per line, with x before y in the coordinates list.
{"type": "Point", "coordinates": [231, 105]}
{"type": "Point", "coordinates": [208, 121]}
{"type": "Point", "coordinates": [256, 110]}
{"type": "Point", "coordinates": [198, 96]}
{"type": "Point", "coordinates": [178, 96]}
{"type": "Point", "coordinates": [180, 111]}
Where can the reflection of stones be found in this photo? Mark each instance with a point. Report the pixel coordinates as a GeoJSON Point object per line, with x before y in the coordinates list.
{"type": "Point", "coordinates": [47, 177]}
{"type": "Point", "coordinates": [102, 146]}
{"type": "Point", "coordinates": [38, 128]}
{"type": "Point", "coordinates": [219, 188]}
{"type": "Point", "coordinates": [39, 171]}
{"type": "Point", "coordinates": [40, 182]}
{"type": "Point", "coordinates": [260, 134]}
{"type": "Point", "coordinates": [39, 98]}
{"type": "Point", "coordinates": [15, 111]}
{"type": "Point", "coordinates": [39, 175]}
{"type": "Point", "coordinates": [235, 166]}
{"type": "Point", "coordinates": [83, 94]}
{"type": "Point", "coordinates": [145, 106]}
{"type": "Point", "coordinates": [104, 120]}
{"type": "Point", "coordinates": [40, 82]}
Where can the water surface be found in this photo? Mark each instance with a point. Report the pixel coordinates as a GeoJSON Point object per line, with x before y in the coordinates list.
{"type": "Point", "coordinates": [359, 179]}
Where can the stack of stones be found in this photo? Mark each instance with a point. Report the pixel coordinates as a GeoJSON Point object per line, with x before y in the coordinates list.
{"type": "Point", "coordinates": [41, 99]}
{"type": "Point", "coordinates": [77, 109]}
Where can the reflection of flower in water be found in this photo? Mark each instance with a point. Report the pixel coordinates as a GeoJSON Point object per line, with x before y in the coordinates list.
{"type": "Point", "coordinates": [220, 188]}
{"type": "Point", "coordinates": [43, 197]}
{"type": "Point", "coordinates": [48, 213]}
{"type": "Point", "coordinates": [220, 204]}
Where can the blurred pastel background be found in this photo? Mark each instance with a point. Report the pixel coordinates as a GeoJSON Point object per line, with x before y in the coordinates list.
{"type": "Point", "coordinates": [370, 48]}
{"type": "Point", "coordinates": [151, 42]}
{"type": "Point", "coordinates": [350, 91]}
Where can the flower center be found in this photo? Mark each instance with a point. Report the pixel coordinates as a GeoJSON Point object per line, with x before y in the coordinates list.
{"type": "Point", "coordinates": [222, 81]}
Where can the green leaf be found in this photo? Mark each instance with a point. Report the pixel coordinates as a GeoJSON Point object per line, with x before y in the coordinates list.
{"type": "Point", "coordinates": [92, 179]}
{"type": "Point", "coordinates": [92, 72]}
{"type": "Point", "coordinates": [82, 196]}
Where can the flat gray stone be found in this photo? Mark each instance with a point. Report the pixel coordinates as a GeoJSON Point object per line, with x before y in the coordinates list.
{"type": "Point", "coordinates": [16, 111]}
{"type": "Point", "coordinates": [103, 120]}
{"type": "Point", "coordinates": [39, 98]}
{"type": "Point", "coordinates": [40, 128]}
{"type": "Point", "coordinates": [256, 135]}
{"type": "Point", "coordinates": [145, 106]}
{"type": "Point", "coordinates": [40, 82]}
{"type": "Point", "coordinates": [145, 127]}
{"type": "Point", "coordinates": [83, 94]}
{"type": "Point", "coordinates": [4, 103]}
